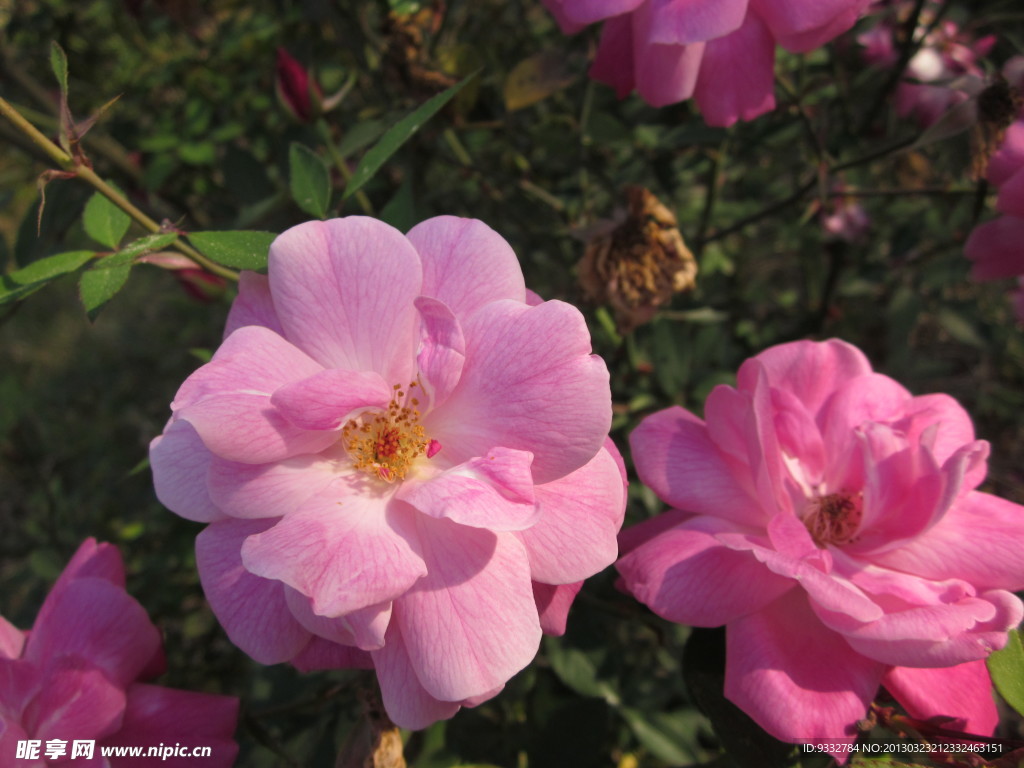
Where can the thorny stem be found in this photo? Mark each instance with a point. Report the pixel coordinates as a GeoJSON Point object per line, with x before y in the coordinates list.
{"type": "Point", "coordinates": [341, 165]}
{"type": "Point", "coordinates": [85, 173]}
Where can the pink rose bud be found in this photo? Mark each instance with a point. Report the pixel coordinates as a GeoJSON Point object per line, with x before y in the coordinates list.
{"type": "Point", "coordinates": [299, 93]}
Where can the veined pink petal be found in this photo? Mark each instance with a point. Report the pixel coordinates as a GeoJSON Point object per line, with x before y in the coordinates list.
{"type": "Point", "coordinates": [580, 514]}
{"type": "Point", "coordinates": [253, 360]}
{"type": "Point", "coordinates": [801, 684]}
{"type": "Point", "coordinates": [272, 490]}
{"type": "Point", "coordinates": [800, 25]}
{"type": "Point", "coordinates": [253, 305]}
{"type": "Point", "coordinates": [364, 628]}
{"type": "Point", "coordinates": [344, 292]}
{"type": "Point", "coordinates": [553, 604]}
{"type": "Point", "coordinates": [112, 629]}
{"type": "Point", "coordinates": [447, 619]}
{"type": "Point", "coordinates": [978, 542]}
{"type": "Point", "coordinates": [955, 430]}
{"type": "Point", "coordinates": [737, 75]}
{"type": "Point", "coordinates": [530, 383]}
{"type": "Point", "coordinates": [252, 610]}
{"type": "Point", "coordinates": [346, 548]}
{"type": "Point", "coordinates": [494, 491]}
{"type": "Point", "coordinates": [632, 537]}
{"type": "Point", "coordinates": [76, 701]}
{"type": "Point", "coordinates": [327, 399]}
{"type": "Point", "coordinates": [247, 428]}
{"type": "Point", "coordinates": [666, 74]}
{"type": "Point", "coordinates": [179, 460]}
{"type": "Point", "coordinates": [408, 703]}
{"type": "Point", "coordinates": [963, 692]}
{"type": "Point", "coordinates": [675, 457]}
{"type": "Point", "coordinates": [442, 353]}
{"type": "Point", "coordinates": [680, 22]}
{"type": "Point", "coordinates": [686, 575]}
{"type": "Point", "coordinates": [994, 247]}
{"type": "Point", "coordinates": [614, 61]}
{"type": "Point", "coordinates": [466, 264]}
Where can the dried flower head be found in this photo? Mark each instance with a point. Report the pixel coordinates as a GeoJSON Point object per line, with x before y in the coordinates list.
{"type": "Point", "coordinates": [638, 261]}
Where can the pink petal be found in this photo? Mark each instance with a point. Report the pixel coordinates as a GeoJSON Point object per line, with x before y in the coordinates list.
{"type": "Point", "coordinates": [798, 680]}
{"type": "Point", "coordinates": [327, 399]}
{"type": "Point", "coordinates": [252, 610]}
{"type": "Point", "coordinates": [613, 63]}
{"type": "Point", "coordinates": [800, 25]}
{"type": "Point", "coordinates": [494, 491]}
{"type": "Point", "coordinates": [737, 75]}
{"type": "Point", "coordinates": [271, 490]}
{"type": "Point", "coordinates": [687, 576]}
{"type": "Point", "coordinates": [157, 715]}
{"type": "Point", "coordinates": [632, 537]}
{"type": "Point", "coordinates": [344, 290]}
{"type": "Point", "coordinates": [810, 370]}
{"type": "Point", "coordinates": [408, 703]}
{"type": "Point", "coordinates": [323, 654]}
{"type": "Point", "coordinates": [567, 26]}
{"type": "Point", "coordinates": [1011, 195]}
{"type": "Point", "coordinates": [466, 264]}
{"type": "Point", "coordinates": [12, 640]}
{"type": "Point", "coordinates": [253, 360]}
{"type": "Point", "coordinates": [77, 701]}
{"type": "Point", "coordinates": [363, 629]}
{"type": "Point", "coordinates": [253, 305]}
{"type": "Point", "coordinates": [248, 429]}
{"type": "Point", "coordinates": [344, 548]}
{"type": "Point", "coordinates": [665, 74]}
{"type": "Point", "coordinates": [1010, 157]}
{"type": "Point", "coordinates": [471, 622]}
{"type": "Point", "coordinates": [681, 22]}
{"type": "Point", "coordinates": [442, 352]}
{"type": "Point", "coordinates": [112, 630]}
{"type": "Point", "coordinates": [580, 515]}
{"type": "Point", "coordinates": [994, 247]}
{"type": "Point", "coordinates": [978, 541]}
{"type": "Point", "coordinates": [530, 383]}
{"type": "Point", "coordinates": [955, 430]}
{"type": "Point", "coordinates": [553, 604]}
{"type": "Point", "coordinates": [676, 459]}
{"type": "Point", "coordinates": [179, 460]}
{"type": "Point", "coordinates": [963, 692]}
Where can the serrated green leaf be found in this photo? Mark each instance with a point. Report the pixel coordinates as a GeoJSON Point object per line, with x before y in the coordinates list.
{"type": "Point", "coordinates": [398, 134]}
{"type": "Point", "coordinates": [98, 286]}
{"type": "Point", "coordinates": [59, 64]}
{"type": "Point", "coordinates": [31, 278]}
{"type": "Point", "coordinates": [241, 249]}
{"type": "Point", "coordinates": [105, 222]}
{"type": "Point", "coordinates": [1007, 670]}
{"type": "Point", "coordinates": [309, 180]}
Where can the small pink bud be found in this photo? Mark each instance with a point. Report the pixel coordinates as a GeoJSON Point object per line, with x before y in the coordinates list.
{"type": "Point", "coordinates": [298, 93]}
{"type": "Point", "coordinates": [432, 448]}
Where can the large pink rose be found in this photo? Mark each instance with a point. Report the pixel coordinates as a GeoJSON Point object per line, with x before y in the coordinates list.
{"type": "Point", "coordinates": [720, 52]}
{"type": "Point", "coordinates": [76, 676]}
{"type": "Point", "coordinates": [829, 519]}
{"type": "Point", "coordinates": [403, 458]}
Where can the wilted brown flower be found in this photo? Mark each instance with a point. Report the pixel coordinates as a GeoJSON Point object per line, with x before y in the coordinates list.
{"type": "Point", "coordinates": [636, 262]}
{"type": "Point", "coordinates": [407, 56]}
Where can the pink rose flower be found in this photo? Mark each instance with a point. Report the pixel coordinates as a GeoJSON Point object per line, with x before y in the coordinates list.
{"type": "Point", "coordinates": [77, 675]}
{"type": "Point", "coordinates": [830, 520]}
{"type": "Point", "coordinates": [720, 52]}
{"type": "Point", "coordinates": [997, 247]}
{"type": "Point", "coordinates": [403, 458]}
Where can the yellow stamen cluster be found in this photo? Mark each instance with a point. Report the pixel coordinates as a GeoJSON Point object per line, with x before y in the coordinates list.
{"type": "Point", "coordinates": [385, 444]}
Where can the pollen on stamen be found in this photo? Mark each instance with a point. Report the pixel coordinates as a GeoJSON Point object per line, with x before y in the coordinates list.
{"type": "Point", "coordinates": [385, 444]}
{"type": "Point", "coordinates": [834, 519]}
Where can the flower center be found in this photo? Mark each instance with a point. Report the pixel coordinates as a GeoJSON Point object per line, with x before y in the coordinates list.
{"type": "Point", "coordinates": [386, 443]}
{"type": "Point", "coordinates": [834, 519]}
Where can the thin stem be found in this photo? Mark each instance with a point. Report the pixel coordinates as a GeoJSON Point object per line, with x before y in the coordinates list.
{"type": "Point", "coordinates": [907, 51]}
{"type": "Point", "coordinates": [341, 165]}
{"type": "Point", "coordinates": [710, 197]}
{"type": "Point", "coordinates": [82, 171]}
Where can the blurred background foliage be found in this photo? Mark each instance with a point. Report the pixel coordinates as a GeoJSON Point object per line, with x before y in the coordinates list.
{"type": "Point", "coordinates": [198, 138]}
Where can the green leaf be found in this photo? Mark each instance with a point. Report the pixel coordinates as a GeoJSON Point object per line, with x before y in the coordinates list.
{"type": "Point", "coordinates": [59, 63]}
{"type": "Point", "coordinates": [668, 736]}
{"type": "Point", "coordinates": [241, 249]}
{"type": "Point", "coordinates": [31, 278]}
{"type": "Point", "coordinates": [137, 248]}
{"type": "Point", "coordinates": [310, 180]}
{"type": "Point", "coordinates": [400, 211]}
{"type": "Point", "coordinates": [398, 134]}
{"type": "Point", "coordinates": [1007, 670]}
{"type": "Point", "coordinates": [98, 286]}
{"type": "Point", "coordinates": [574, 668]}
{"type": "Point", "coordinates": [105, 222]}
